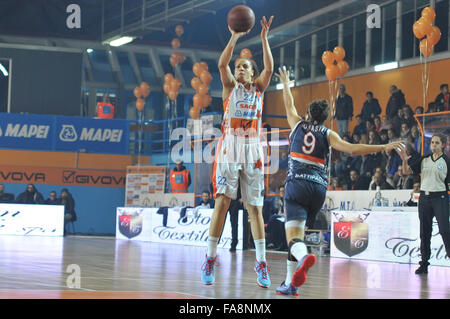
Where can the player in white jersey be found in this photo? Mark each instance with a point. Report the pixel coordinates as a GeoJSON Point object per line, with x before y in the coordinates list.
{"type": "Point", "coordinates": [239, 155]}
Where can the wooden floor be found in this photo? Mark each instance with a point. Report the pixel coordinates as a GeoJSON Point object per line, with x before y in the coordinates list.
{"type": "Point", "coordinates": [39, 267]}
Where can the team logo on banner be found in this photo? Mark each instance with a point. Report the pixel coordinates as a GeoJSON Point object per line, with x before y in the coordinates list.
{"type": "Point", "coordinates": [130, 225]}
{"type": "Point", "coordinates": [351, 236]}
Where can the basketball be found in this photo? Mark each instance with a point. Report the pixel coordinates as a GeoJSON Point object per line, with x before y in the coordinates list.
{"type": "Point", "coordinates": [241, 18]}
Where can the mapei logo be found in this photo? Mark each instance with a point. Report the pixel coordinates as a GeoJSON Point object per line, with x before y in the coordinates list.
{"type": "Point", "coordinates": [68, 133]}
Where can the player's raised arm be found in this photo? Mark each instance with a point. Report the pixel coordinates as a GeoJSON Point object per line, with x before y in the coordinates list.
{"type": "Point", "coordinates": [263, 80]}
{"type": "Point", "coordinates": [291, 111]}
{"type": "Point", "coordinates": [361, 149]}
{"type": "Point", "coordinates": [226, 76]}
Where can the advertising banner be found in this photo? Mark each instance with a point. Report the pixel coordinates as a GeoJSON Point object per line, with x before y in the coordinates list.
{"type": "Point", "coordinates": [61, 176]}
{"type": "Point", "coordinates": [31, 220]}
{"type": "Point", "coordinates": [172, 226]}
{"type": "Point", "coordinates": [64, 133]}
{"type": "Point", "coordinates": [391, 236]}
{"type": "Point", "coordinates": [145, 186]}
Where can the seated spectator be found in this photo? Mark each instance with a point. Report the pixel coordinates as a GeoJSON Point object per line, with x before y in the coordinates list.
{"type": "Point", "coordinates": [205, 201]}
{"type": "Point", "coordinates": [377, 124]}
{"type": "Point", "coordinates": [384, 137]}
{"type": "Point", "coordinates": [371, 107]}
{"type": "Point", "coordinates": [360, 127]}
{"type": "Point", "coordinates": [405, 131]}
{"type": "Point", "coordinates": [30, 196]}
{"type": "Point", "coordinates": [385, 123]}
{"type": "Point", "coordinates": [371, 161]}
{"type": "Point", "coordinates": [356, 138]}
{"type": "Point", "coordinates": [392, 134]}
{"type": "Point", "coordinates": [380, 181]}
{"type": "Point", "coordinates": [337, 184]}
{"type": "Point", "coordinates": [398, 118]}
{"type": "Point", "coordinates": [378, 169]}
{"type": "Point", "coordinates": [5, 197]}
{"type": "Point", "coordinates": [402, 181]}
{"type": "Point", "coordinates": [341, 165]}
{"type": "Point", "coordinates": [408, 115]}
{"type": "Point", "coordinates": [442, 100]}
{"type": "Point", "coordinates": [369, 125]}
{"type": "Point", "coordinates": [276, 235]}
{"type": "Point", "coordinates": [392, 163]}
{"type": "Point", "coordinates": [431, 107]}
{"type": "Point", "coordinates": [357, 182]}
{"type": "Point", "coordinates": [52, 199]}
{"type": "Point", "coordinates": [67, 200]}
{"type": "Point", "coordinates": [419, 110]}
{"type": "Point", "coordinates": [414, 199]}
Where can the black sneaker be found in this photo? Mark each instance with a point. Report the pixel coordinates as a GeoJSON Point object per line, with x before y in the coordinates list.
{"type": "Point", "coordinates": [233, 249]}
{"type": "Point", "coordinates": [423, 269]}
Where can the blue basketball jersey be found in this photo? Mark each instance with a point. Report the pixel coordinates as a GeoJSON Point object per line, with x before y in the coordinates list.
{"type": "Point", "coordinates": [308, 153]}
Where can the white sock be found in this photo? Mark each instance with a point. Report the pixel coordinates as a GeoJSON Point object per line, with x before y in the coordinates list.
{"type": "Point", "coordinates": [299, 250]}
{"type": "Point", "coordinates": [260, 247]}
{"type": "Point", "coordinates": [291, 266]}
{"type": "Point", "coordinates": [212, 246]}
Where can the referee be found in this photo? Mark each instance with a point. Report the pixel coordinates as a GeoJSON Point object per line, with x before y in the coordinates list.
{"type": "Point", "coordinates": [433, 200]}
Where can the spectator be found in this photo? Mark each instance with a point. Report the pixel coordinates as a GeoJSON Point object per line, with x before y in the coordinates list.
{"type": "Point", "coordinates": [385, 123]}
{"type": "Point", "coordinates": [357, 182]}
{"type": "Point", "coordinates": [276, 236]}
{"type": "Point", "coordinates": [378, 169]}
{"type": "Point", "coordinates": [396, 101]}
{"type": "Point", "coordinates": [369, 125]}
{"type": "Point", "coordinates": [431, 107]}
{"type": "Point", "coordinates": [413, 201]}
{"type": "Point", "coordinates": [377, 123]}
{"type": "Point", "coordinates": [384, 139]}
{"type": "Point", "coordinates": [442, 100]}
{"type": "Point", "coordinates": [380, 181]}
{"type": "Point", "coordinates": [371, 161]}
{"type": "Point", "coordinates": [67, 200]}
{"type": "Point", "coordinates": [344, 110]}
{"type": "Point", "coordinates": [419, 110]}
{"type": "Point", "coordinates": [180, 178]}
{"type": "Point", "coordinates": [356, 138]}
{"type": "Point", "coordinates": [398, 119]}
{"type": "Point", "coordinates": [360, 127]}
{"type": "Point", "coordinates": [205, 201]}
{"type": "Point", "coordinates": [5, 197]}
{"type": "Point", "coordinates": [30, 196]}
{"type": "Point", "coordinates": [408, 115]}
{"type": "Point", "coordinates": [371, 107]}
{"type": "Point", "coordinates": [405, 131]}
{"type": "Point", "coordinates": [392, 134]}
{"type": "Point", "coordinates": [416, 138]}
{"type": "Point", "coordinates": [52, 199]}
{"type": "Point", "coordinates": [392, 163]}
{"type": "Point", "coordinates": [402, 181]}
{"type": "Point", "coordinates": [341, 166]}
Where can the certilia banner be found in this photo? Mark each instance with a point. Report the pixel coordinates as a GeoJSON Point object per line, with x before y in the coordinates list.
{"type": "Point", "coordinates": [61, 176]}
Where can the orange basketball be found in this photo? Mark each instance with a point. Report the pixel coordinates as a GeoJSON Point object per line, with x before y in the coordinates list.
{"type": "Point", "coordinates": [241, 18]}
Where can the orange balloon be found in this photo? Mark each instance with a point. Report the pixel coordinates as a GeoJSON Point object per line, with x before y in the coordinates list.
{"type": "Point", "coordinates": [137, 92]}
{"type": "Point", "coordinates": [339, 53]}
{"type": "Point", "coordinates": [195, 83]}
{"type": "Point", "coordinates": [175, 84]}
{"type": "Point", "coordinates": [246, 53]}
{"type": "Point", "coordinates": [197, 69]}
{"type": "Point", "coordinates": [166, 88]}
{"type": "Point", "coordinates": [140, 103]}
{"type": "Point", "coordinates": [206, 77]}
{"type": "Point", "coordinates": [179, 30]}
{"type": "Point", "coordinates": [194, 112]}
{"type": "Point", "coordinates": [168, 77]}
{"type": "Point", "coordinates": [176, 43]}
{"type": "Point", "coordinates": [145, 88]}
{"type": "Point", "coordinates": [434, 36]}
{"type": "Point", "coordinates": [332, 72]}
{"type": "Point", "coordinates": [343, 68]}
{"type": "Point", "coordinates": [424, 25]}
{"type": "Point", "coordinates": [426, 48]}
{"type": "Point", "coordinates": [180, 57]}
{"type": "Point", "coordinates": [173, 95]}
{"type": "Point", "coordinates": [206, 100]}
{"type": "Point", "coordinates": [204, 66]}
{"type": "Point", "coordinates": [328, 58]}
{"type": "Point", "coordinates": [203, 89]}
{"type": "Point", "coordinates": [429, 13]}
{"type": "Point", "coordinates": [197, 100]}
{"type": "Point", "coordinates": [417, 31]}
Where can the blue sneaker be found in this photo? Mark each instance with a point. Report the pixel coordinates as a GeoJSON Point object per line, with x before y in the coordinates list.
{"type": "Point", "coordinates": [288, 290]}
{"type": "Point", "coordinates": [262, 270]}
{"type": "Point", "coordinates": [208, 270]}
{"type": "Point", "coordinates": [299, 276]}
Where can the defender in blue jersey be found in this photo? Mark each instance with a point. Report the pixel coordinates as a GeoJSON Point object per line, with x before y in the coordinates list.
{"type": "Point", "coordinates": [306, 180]}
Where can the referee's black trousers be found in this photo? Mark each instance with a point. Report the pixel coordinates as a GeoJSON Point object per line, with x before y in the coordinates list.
{"type": "Point", "coordinates": [433, 206]}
